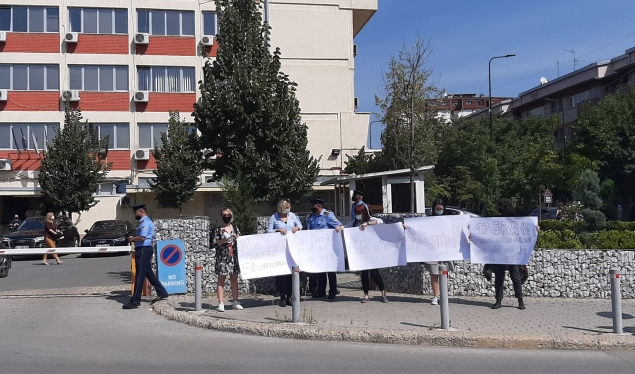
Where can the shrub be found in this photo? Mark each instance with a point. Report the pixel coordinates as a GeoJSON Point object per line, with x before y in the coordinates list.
{"type": "Point", "coordinates": [609, 239]}
{"type": "Point", "coordinates": [595, 219]}
{"type": "Point", "coordinates": [561, 225]}
{"type": "Point", "coordinates": [619, 226]}
{"type": "Point", "coordinates": [565, 239]}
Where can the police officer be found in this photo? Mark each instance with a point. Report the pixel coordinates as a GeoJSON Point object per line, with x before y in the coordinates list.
{"type": "Point", "coordinates": [143, 258]}
{"type": "Point", "coordinates": [321, 218]}
{"type": "Point", "coordinates": [358, 199]}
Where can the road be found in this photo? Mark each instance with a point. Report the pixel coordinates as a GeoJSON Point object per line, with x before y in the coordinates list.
{"type": "Point", "coordinates": [94, 335]}
{"type": "Point", "coordinates": [104, 270]}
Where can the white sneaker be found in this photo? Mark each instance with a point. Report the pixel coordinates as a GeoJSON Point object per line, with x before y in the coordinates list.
{"type": "Point", "coordinates": [435, 301]}
{"type": "Point", "coordinates": [236, 305]}
{"type": "Point", "coordinates": [221, 307]}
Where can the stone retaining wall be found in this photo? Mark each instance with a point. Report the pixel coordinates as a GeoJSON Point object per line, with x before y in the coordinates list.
{"type": "Point", "coordinates": [552, 273]}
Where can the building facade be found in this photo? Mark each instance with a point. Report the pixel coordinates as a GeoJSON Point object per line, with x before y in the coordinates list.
{"type": "Point", "coordinates": [130, 63]}
{"type": "Point", "coordinates": [452, 106]}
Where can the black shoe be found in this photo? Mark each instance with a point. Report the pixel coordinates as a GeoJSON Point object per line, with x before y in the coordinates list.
{"type": "Point", "coordinates": [130, 305]}
{"type": "Point", "coordinates": [497, 305]}
{"type": "Point", "coordinates": [337, 292]}
{"type": "Point", "coordinates": [319, 295]}
{"type": "Point", "coordinates": [331, 297]}
{"type": "Point", "coordinates": [282, 303]}
{"type": "Point", "coordinates": [288, 301]}
{"type": "Point", "coordinates": [521, 303]}
{"type": "Point", "coordinates": [158, 298]}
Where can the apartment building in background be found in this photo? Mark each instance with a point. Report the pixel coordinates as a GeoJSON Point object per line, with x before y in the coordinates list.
{"type": "Point", "coordinates": [452, 106]}
{"type": "Point", "coordinates": [127, 64]}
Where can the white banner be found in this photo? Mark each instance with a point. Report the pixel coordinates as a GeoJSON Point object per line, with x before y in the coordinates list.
{"type": "Point", "coordinates": [503, 240]}
{"type": "Point", "coordinates": [443, 238]}
{"type": "Point", "coordinates": [377, 246]}
{"type": "Point", "coordinates": [263, 255]}
{"type": "Point", "coordinates": [317, 251]}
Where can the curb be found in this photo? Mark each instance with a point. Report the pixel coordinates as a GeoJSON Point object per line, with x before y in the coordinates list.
{"type": "Point", "coordinates": [407, 337]}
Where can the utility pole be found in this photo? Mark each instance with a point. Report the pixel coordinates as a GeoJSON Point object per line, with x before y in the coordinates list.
{"type": "Point", "coordinates": [574, 59]}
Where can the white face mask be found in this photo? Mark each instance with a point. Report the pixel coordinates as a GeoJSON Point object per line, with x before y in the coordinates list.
{"type": "Point", "coordinates": [287, 211]}
{"type": "Point", "coordinates": [359, 217]}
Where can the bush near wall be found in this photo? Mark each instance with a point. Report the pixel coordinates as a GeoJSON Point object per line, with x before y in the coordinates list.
{"type": "Point", "coordinates": [569, 239]}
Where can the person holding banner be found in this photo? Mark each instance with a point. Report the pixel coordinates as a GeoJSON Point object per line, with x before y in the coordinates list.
{"type": "Point", "coordinates": [283, 221]}
{"type": "Point", "coordinates": [362, 219]}
{"type": "Point", "coordinates": [224, 242]}
{"type": "Point", "coordinates": [321, 218]}
{"type": "Point", "coordinates": [438, 209]}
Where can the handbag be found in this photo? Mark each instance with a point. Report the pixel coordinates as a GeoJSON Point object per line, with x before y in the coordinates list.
{"type": "Point", "coordinates": [58, 235]}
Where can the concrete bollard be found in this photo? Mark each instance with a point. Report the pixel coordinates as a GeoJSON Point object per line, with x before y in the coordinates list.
{"type": "Point", "coordinates": [295, 296]}
{"type": "Point", "coordinates": [443, 290]}
{"type": "Point", "coordinates": [616, 301]}
{"type": "Point", "coordinates": [198, 294]}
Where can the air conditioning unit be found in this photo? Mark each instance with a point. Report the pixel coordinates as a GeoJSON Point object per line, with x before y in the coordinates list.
{"type": "Point", "coordinates": [354, 50]}
{"type": "Point", "coordinates": [142, 154]}
{"type": "Point", "coordinates": [142, 96]}
{"type": "Point", "coordinates": [4, 95]}
{"type": "Point", "coordinates": [70, 95]}
{"type": "Point", "coordinates": [5, 164]}
{"type": "Point", "coordinates": [142, 38]}
{"type": "Point", "coordinates": [356, 101]}
{"type": "Point", "coordinates": [71, 37]}
{"type": "Point", "coordinates": [207, 40]}
{"type": "Point", "coordinates": [3, 36]}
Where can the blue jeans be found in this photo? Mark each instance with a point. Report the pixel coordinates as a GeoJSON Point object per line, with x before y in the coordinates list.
{"type": "Point", "coordinates": [143, 268]}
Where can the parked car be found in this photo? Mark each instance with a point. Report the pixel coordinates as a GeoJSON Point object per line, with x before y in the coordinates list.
{"type": "Point", "coordinates": [547, 213]}
{"type": "Point", "coordinates": [108, 233]}
{"type": "Point", "coordinates": [5, 265]}
{"type": "Point", "coordinates": [30, 234]}
{"type": "Point", "coordinates": [452, 210]}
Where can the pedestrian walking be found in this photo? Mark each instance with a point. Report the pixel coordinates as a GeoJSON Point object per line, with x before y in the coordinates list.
{"type": "Point", "coordinates": [363, 219]}
{"type": "Point", "coordinates": [320, 219]}
{"type": "Point", "coordinates": [224, 242]}
{"type": "Point", "coordinates": [143, 241]}
{"type": "Point", "coordinates": [51, 234]}
{"type": "Point", "coordinates": [286, 223]}
{"type": "Point", "coordinates": [438, 209]}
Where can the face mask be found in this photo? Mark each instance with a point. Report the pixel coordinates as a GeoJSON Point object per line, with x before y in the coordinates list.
{"type": "Point", "coordinates": [438, 212]}
{"type": "Point", "coordinates": [227, 219]}
{"type": "Point", "coordinates": [354, 198]}
{"type": "Point", "coordinates": [137, 218]}
{"type": "Point", "coordinates": [358, 217]}
{"type": "Point", "coordinates": [287, 211]}
{"type": "Point", "coordinates": [314, 210]}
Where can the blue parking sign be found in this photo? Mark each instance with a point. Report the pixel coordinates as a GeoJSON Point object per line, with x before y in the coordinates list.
{"type": "Point", "coordinates": [171, 265]}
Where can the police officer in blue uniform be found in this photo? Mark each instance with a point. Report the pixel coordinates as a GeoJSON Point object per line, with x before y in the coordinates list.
{"type": "Point", "coordinates": [358, 199]}
{"type": "Point", "coordinates": [143, 259]}
{"type": "Point", "coordinates": [321, 218]}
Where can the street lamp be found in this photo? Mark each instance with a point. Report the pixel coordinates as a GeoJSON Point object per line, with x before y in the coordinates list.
{"type": "Point", "coordinates": [490, 91]}
{"type": "Point", "coordinates": [370, 129]}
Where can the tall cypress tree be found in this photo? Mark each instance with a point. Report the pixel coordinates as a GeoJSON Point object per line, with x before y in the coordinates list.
{"type": "Point", "coordinates": [249, 112]}
{"type": "Point", "coordinates": [71, 169]}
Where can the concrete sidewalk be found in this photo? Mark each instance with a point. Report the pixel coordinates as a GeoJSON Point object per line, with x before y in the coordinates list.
{"type": "Point", "coordinates": [545, 321]}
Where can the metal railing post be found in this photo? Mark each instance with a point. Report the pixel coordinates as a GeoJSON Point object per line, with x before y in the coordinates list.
{"type": "Point", "coordinates": [616, 301]}
{"type": "Point", "coordinates": [295, 297]}
{"type": "Point", "coordinates": [198, 294]}
{"type": "Point", "coordinates": [443, 288]}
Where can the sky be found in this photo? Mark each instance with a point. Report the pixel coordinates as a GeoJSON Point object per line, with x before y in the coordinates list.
{"type": "Point", "coordinates": [466, 34]}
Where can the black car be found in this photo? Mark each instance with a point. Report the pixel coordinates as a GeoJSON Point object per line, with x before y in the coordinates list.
{"type": "Point", "coordinates": [108, 233]}
{"type": "Point", "coordinates": [30, 234]}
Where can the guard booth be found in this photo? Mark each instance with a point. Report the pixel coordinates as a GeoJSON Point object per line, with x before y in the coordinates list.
{"type": "Point", "coordinates": [384, 192]}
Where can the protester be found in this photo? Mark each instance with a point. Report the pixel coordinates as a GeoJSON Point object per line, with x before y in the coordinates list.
{"type": "Point", "coordinates": [224, 242]}
{"type": "Point", "coordinates": [15, 223]}
{"type": "Point", "coordinates": [362, 218]}
{"type": "Point", "coordinates": [438, 209]}
{"type": "Point", "coordinates": [51, 233]}
{"type": "Point", "coordinates": [321, 218]}
{"type": "Point", "coordinates": [358, 199]}
{"type": "Point", "coordinates": [284, 221]}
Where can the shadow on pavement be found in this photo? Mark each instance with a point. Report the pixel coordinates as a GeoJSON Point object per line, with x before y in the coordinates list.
{"type": "Point", "coordinates": [125, 275]}
{"type": "Point", "coordinates": [416, 325]}
{"type": "Point", "coordinates": [119, 296]}
{"type": "Point", "coordinates": [610, 315]}
{"type": "Point", "coordinates": [456, 300]}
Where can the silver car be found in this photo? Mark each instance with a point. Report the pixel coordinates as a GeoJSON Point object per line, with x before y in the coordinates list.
{"type": "Point", "coordinates": [453, 211]}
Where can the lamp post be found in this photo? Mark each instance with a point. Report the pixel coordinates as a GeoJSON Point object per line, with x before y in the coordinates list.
{"type": "Point", "coordinates": [490, 91]}
{"type": "Point", "coordinates": [370, 129]}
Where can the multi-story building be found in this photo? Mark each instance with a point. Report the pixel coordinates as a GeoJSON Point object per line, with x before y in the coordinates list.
{"type": "Point", "coordinates": [451, 106]}
{"type": "Point", "coordinates": [127, 63]}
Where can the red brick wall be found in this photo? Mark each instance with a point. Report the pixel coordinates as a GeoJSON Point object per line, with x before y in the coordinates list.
{"type": "Point", "coordinates": [150, 164]}
{"type": "Point", "coordinates": [103, 101]}
{"type": "Point", "coordinates": [168, 46]}
{"type": "Point", "coordinates": [212, 51]}
{"type": "Point", "coordinates": [100, 44]}
{"type": "Point", "coordinates": [120, 159]}
{"type": "Point", "coordinates": [31, 42]}
{"type": "Point", "coordinates": [165, 102]}
{"type": "Point", "coordinates": [31, 101]}
{"type": "Point", "coordinates": [27, 160]}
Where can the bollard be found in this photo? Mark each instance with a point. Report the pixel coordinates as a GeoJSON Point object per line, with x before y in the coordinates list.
{"type": "Point", "coordinates": [443, 289]}
{"type": "Point", "coordinates": [616, 301]}
{"type": "Point", "coordinates": [197, 285]}
{"type": "Point", "coordinates": [295, 297]}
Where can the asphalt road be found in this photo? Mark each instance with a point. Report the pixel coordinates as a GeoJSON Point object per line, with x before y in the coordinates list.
{"type": "Point", "coordinates": [104, 270]}
{"type": "Point", "coordinates": [94, 335]}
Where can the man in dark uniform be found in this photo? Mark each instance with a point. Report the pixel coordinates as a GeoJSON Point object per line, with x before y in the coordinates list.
{"type": "Point", "coordinates": [358, 199]}
{"type": "Point", "coordinates": [15, 223]}
{"type": "Point", "coordinates": [321, 218]}
{"type": "Point", "coordinates": [143, 259]}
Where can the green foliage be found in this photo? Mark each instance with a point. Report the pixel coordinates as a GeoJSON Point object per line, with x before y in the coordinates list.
{"type": "Point", "coordinates": [587, 189]}
{"type": "Point", "coordinates": [71, 169]}
{"type": "Point", "coordinates": [361, 163]}
{"type": "Point", "coordinates": [565, 239]}
{"type": "Point", "coordinates": [179, 169]}
{"type": "Point", "coordinates": [238, 191]}
{"type": "Point", "coordinates": [595, 219]}
{"type": "Point", "coordinates": [249, 111]}
{"type": "Point", "coordinates": [620, 226]}
{"type": "Point", "coordinates": [562, 225]}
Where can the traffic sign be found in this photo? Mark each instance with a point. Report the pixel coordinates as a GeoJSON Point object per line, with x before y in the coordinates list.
{"type": "Point", "coordinates": [171, 265]}
{"type": "Point", "coordinates": [171, 255]}
{"type": "Point", "coordinates": [548, 193]}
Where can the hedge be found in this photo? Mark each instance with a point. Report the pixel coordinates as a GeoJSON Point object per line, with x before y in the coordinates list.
{"type": "Point", "coordinates": [581, 226]}
{"type": "Point", "coordinates": [569, 239]}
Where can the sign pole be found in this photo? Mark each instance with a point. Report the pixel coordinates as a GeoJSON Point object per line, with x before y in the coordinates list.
{"type": "Point", "coordinates": [295, 297]}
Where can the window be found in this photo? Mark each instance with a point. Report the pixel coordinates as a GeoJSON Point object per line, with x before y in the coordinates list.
{"type": "Point", "coordinates": [29, 19]}
{"type": "Point", "coordinates": [444, 103]}
{"type": "Point", "coordinates": [210, 23]}
{"type": "Point", "coordinates": [555, 106]}
{"type": "Point", "coordinates": [118, 134]}
{"type": "Point", "coordinates": [577, 99]}
{"type": "Point", "coordinates": [166, 79]}
{"type": "Point", "coordinates": [106, 189]}
{"type": "Point", "coordinates": [19, 77]}
{"type": "Point", "coordinates": [98, 78]}
{"type": "Point", "coordinates": [98, 20]}
{"type": "Point", "coordinates": [165, 22]}
{"type": "Point", "coordinates": [150, 134]}
{"type": "Point", "coordinates": [468, 103]}
{"type": "Point", "coordinates": [21, 135]}
{"type": "Point", "coordinates": [479, 102]}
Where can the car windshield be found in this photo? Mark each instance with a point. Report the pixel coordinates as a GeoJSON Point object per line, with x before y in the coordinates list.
{"type": "Point", "coordinates": [32, 224]}
{"type": "Point", "coordinates": [109, 226]}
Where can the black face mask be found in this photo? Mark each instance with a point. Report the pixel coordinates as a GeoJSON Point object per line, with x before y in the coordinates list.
{"type": "Point", "coordinates": [137, 218]}
{"type": "Point", "coordinates": [314, 210]}
{"type": "Point", "coordinates": [227, 219]}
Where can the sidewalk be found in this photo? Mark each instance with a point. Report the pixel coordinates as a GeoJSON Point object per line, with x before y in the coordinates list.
{"type": "Point", "coordinates": [545, 321]}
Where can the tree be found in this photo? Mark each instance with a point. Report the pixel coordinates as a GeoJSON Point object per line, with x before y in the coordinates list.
{"type": "Point", "coordinates": [587, 190]}
{"type": "Point", "coordinates": [249, 112]}
{"type": "Point", "coordinates": [71, 169]}
{"type": "Point", "coordinates": [361, 163]}
{"type": "Point", "coordinates": [408, 112]}
{"type": "Point", "coordinates": [238, 190]}
{"type": "Point", "coordinates": [179, 169]}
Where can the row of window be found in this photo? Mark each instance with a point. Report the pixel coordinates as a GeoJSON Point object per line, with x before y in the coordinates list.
{"type": "Point", "coordinates": [14, 136]}
{"type": "Point", "coordinates": [104, 78]}
{"type": "Point", "coordinates": [104, 20]}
